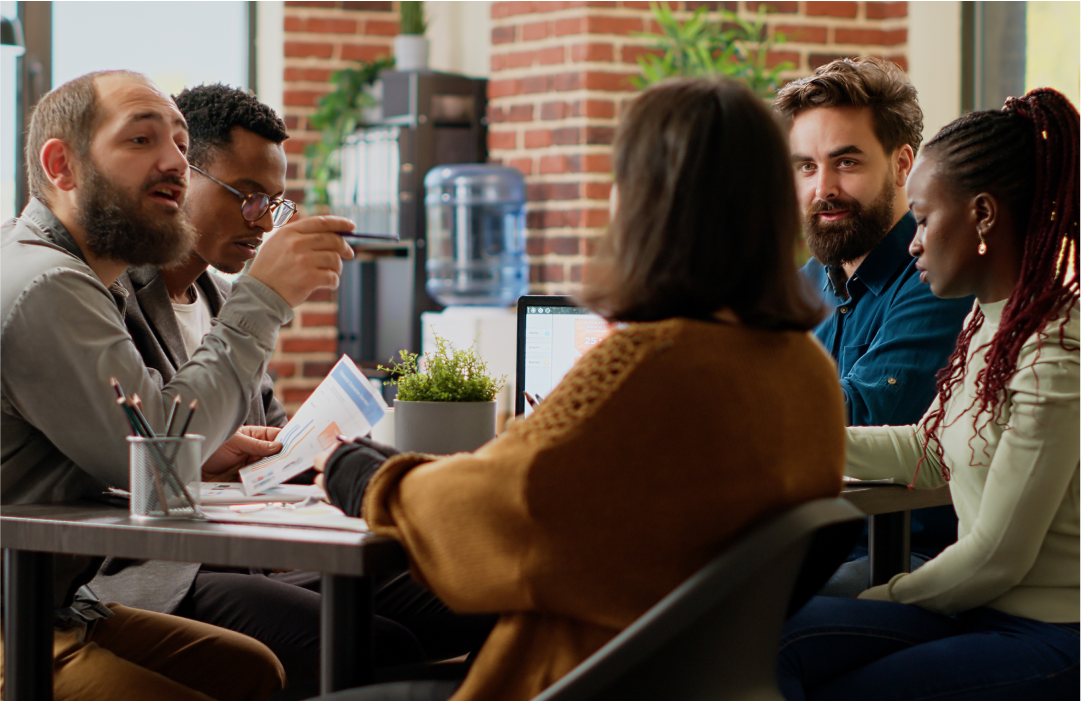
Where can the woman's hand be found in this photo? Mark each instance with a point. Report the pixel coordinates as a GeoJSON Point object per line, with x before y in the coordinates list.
{"type": "Point", "coordinates": [249, 444]}
{"type": "Point", "coordinates": [344, 470]}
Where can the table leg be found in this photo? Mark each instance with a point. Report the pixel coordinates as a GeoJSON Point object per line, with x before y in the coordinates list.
{"type": "Point", "coordinates": [347, 650]}
{"type": "Point", "coordinates": [889, 545]}
{"type": "Point", "coordinates": [28, 626]}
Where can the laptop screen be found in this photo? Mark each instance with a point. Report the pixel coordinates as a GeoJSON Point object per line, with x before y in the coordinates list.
{"type": "Point", "coordinates": [553, 334]}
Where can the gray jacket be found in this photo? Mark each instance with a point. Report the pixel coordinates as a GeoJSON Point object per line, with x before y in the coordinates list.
{"type": "Point", "coordinates": [157, 585]}
{"type": "Point", "coordinates": [63, 336]}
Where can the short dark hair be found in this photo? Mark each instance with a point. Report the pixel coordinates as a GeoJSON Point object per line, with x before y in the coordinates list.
{"type": "Point", "coordinates": [69, 113]}
{"type": "Point", "coordinates": [707, 216]}
{"type": "Point", "coordinates": [861, 82]}
{"type": "Point", "coordinates": [214, 110]}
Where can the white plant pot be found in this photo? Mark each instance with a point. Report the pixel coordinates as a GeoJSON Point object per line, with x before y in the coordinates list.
{"type": "Point", "coordinates": [410, 52]}
{"type": "Point", "coordinates": [442, 428]}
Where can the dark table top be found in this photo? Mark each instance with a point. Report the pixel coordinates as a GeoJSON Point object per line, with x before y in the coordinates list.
{"type": "Point", "coordinates": [97, 529]}
{"type": "Point", "coordinates": [884, 499]}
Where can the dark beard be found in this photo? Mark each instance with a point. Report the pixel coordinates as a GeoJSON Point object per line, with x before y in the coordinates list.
{"type": "Point", "coordinates": [837, 243]}
{"type": "Point", "coordinates": [118, 228]}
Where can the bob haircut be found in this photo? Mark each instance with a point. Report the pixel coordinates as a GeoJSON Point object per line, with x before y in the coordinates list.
{"type": "Point", "coordinates": [707, 217]}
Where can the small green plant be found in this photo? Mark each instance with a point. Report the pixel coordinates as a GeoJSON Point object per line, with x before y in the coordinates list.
{"type": "Point", "coordinates": [339, 114]}
{"type": "Point", "coordinates": [450, 376]}
{"type": "Point", "coordinates": [732, 47]}
{"type": "Point", "coordinates": [413, 21]}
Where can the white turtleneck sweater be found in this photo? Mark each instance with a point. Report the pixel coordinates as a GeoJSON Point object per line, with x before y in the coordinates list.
{"type": "Point", "coordinates": [1014, 484]}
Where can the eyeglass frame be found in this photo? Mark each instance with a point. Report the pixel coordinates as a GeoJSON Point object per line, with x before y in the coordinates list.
{"type": "Point", "coordinates": [272, 202]}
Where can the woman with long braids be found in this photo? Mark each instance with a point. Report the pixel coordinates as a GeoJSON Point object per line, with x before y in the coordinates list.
{"type": "Point", "coordinates": [994, 616]}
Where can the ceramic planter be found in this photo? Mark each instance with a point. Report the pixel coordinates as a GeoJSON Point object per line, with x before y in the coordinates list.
{"type": "Point", "coordinates": [410, 52]}
{"type": "Point", "coordinates": [442, 427]}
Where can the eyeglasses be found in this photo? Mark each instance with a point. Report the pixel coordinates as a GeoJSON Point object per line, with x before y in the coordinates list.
{"type": "Point", "coordinates": [254, 205]}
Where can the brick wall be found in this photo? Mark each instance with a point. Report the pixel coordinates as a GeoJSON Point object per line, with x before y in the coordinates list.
{"type": "Point", "coordinates": [559, 81]}
{"type": "Point", "coordinates": [319, 38]}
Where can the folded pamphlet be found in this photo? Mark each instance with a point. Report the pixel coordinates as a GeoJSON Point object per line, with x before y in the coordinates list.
{"type": "Point", "coordinates": [345, 403]}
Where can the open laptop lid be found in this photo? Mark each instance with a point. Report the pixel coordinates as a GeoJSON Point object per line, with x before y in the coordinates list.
{"type": "Point", "coordinates": [553, 333]}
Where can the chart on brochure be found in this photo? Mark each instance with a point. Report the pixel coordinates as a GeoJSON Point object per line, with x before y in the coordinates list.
{"type": "Point", "coordinates": [345, 403]}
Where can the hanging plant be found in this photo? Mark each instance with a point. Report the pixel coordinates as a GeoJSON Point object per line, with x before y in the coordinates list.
{"type": "Point", "coordinates": [339, 114]}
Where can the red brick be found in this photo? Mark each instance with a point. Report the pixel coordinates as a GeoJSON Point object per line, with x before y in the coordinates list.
{"type": "Point", "coordinates": [596, 191]}
{"type": "Point", "coordinates": [553, 164]}
{"type": "Point", "coordinates": [544, 192]}
{"type": "Point", "coordinates": [538, 138]}
{"type": "Point", "coordinates": [302, 98]}
{"type": "Point", "coordinates": [500, 10]}
{"type": "Point", "coordinates": [319, 295]}
{"type": "Point", "coordinates": [295, 195]}
{"type": "Point", "coordinates": [317, 369]}
{"type": "Point", "coordinates": [600, 109]}
{"type": "Point", "coordinates": [523, 164]}
{"type": "Point", "coordinates": [296, 395]}
{"type": "Point", "coordinates": [590, 163]}
{"type": "Point", "coordinates": [552, 219]}
{"type": "Point", "coordinates": [774, 7]}
{"type": "Point", "coordinates": [311, 75]}
{"type": "Point", "coordinates": [567, 81]}
{"type": "Point", "coordinates": [884, 10]}
{"type": "Point", "coordinates": [364, 52]}
{"type": "Point", "coordinates": [505, 140]}
{"type": "Point", "coordinates": [291, 171]}
{"type": "Point", "coordinates": [563, 245]}
{"type": "Point", "coordinates": [612, 25]}
{"type": "Point", "coordinates": [567, 136]}
{"type": "Point", "coordinates": [870, 36]}
{"type": "Point", "coordinates": [565, 27]}
{"type": "Point", "coordinates": [534, 246]}
{"type": "Point", "coordinates": [576, 273]}
{"type": "Point", "coordinates": [514, 113]}
{"type": "Point", "coordinates": [322, 25]}
{"type": "Point", "coordinates": [553, 110]}
{"type": "Point", "coordinates": [281, 368]}
{"type": "Point", "coordinates": [502, 88]}
{"type": "Point", "coordinates": [304, 49]}
{"type": "Point", "coordinates": [533, 84]}
{"type": "Point", "coordinates": [775, 58]}
{"type": "Point", "coordinates": [550, 56]}
{"type": "Point", "coordinates": [713, 6]}
{"type": "Point", "coordinates": [502, 35]}
{"type": "Point", "coordinates": [309, 345]}
{"type": "Point", "coordinates": [294, 3]}
{"type": "Point", "coordinates": [367, 6]}
{"type": "Point", "coordinates": [630, 54]}
{"type": "Point", "coordinates": [607, 81]}
{"type": "Point", "coordinates": [496, 62]}
{"type": "Point", "coordinates": [291, 122]}
{"type": "Point", "coordinates": [592, 52]}
{"type": "Point", "coordinates": [521, 59]}
{"type": "Point", "coordinates": [319, 319]}
{"type": "Point", "coordinates": [519, 8]}
{"type": "Point", "coordinates": [901, 61]}
{"type": "Point", "coordinates": [600, 135]}
{"type": "Point", "coordinates": [534, 31]}
{"type": "Point", "coordinates": [818, 60]}
{"type": "Point", "coordinates": [593, 218]}
{"type": "Point", "coordinates": [807, 35]}
{"type": "Point", "coordinates": [545, 272]}
{"type": "Point", "coordinates": [832, 9]}
{"type": "Point", "coordinates": [379, 28]}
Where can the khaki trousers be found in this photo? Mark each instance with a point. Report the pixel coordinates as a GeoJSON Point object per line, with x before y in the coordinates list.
{"type": "Point", "coordinates": [139, 655]}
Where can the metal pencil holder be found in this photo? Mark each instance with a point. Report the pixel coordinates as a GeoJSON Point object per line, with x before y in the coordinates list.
{"type": "Point", "coordinates": [160, 469]}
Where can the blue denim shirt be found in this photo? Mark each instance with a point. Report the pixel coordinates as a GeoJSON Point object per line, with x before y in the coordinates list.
{"type": "Point", "coordinates": [890, 336]}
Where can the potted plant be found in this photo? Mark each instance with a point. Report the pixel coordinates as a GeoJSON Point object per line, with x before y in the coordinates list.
{"type": "Point", "coordinates": [449, 406]}
{"type": "Point", "coordinates": [411, 46]}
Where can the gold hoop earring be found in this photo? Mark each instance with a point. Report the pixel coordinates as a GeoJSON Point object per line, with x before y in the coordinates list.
{"type": "Point", "coordinates": [982, 250]}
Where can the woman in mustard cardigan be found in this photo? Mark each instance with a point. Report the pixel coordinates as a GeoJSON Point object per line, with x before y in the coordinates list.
{"type": "Point", "coordinates": [711, 410]}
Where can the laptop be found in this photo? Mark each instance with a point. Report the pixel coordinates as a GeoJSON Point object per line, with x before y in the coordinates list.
{"type": "Point", "coordinates": [553, 333]}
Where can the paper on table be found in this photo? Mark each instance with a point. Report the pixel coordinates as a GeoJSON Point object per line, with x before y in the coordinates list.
{"type": "Point", "coordinates": [885, 481]}
{"type": "Point", "coordinates": [344, 403]}
{"type": "Point", "coordinates": [317, 516]}
{"type": "Point", "coordinates": [225, 493]}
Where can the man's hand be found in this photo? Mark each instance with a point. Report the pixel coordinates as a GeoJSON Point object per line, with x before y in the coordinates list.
{"type": "Point", "coordinates": [248, 445]}
{"type": "Point", "coordinates": [302, 257]}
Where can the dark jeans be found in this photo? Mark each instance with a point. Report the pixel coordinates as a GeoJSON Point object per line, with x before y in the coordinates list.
{"type": "Point", "coordinates": [850, 649]}
{"type": "Point", "coordinates": [282, 610]}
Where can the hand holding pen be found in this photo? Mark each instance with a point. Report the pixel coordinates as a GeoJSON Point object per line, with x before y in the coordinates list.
{"type": "Point", "coordinates": [303, 256]}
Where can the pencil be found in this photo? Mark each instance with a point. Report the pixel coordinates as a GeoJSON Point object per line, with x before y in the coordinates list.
{"type": "Point", "coordinates": [172, 416]}
{"type": "Point", "coordinates": [187, 421]}
{"type": "Point", "coordinates": [529, 398]}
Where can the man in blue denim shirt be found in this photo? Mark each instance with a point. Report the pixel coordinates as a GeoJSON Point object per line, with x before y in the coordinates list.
{"type": "Point", "coordinates": [855, 126]}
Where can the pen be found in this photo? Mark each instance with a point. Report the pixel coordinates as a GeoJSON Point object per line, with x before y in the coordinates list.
{"type": "Point", "coordinates": [529, 398]}
{"type": "Point", "coordinates": [367, 237]}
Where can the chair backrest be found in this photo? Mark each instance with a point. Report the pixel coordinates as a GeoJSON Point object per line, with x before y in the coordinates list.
{"type": "Point", "coordinates": [716, 635]}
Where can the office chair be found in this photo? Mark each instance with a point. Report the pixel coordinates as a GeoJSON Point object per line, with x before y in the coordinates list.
{"type": "Point", "coordinates": [713, 637]}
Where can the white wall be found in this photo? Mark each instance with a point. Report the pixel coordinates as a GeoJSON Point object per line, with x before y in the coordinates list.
{"type": "Point", "coordinates": [934, 61]}
{"type": "Point", "coordinates": [270, 53]}
{"type": "Point", "coordinates": [460, 34]}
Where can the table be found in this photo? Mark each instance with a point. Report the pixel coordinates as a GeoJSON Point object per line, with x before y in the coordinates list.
{"type": "Point", "coordinates": [30, 533]}
{"type": "Point", "coordinates": [889, 510]}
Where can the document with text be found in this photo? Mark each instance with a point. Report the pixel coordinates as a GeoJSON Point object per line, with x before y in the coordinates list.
{"type": "Point", "coordinates": [345, 403]}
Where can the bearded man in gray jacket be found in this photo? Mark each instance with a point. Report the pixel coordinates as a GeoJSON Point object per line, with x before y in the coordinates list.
{"type": "Point", "coordinates": [109, 176]}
